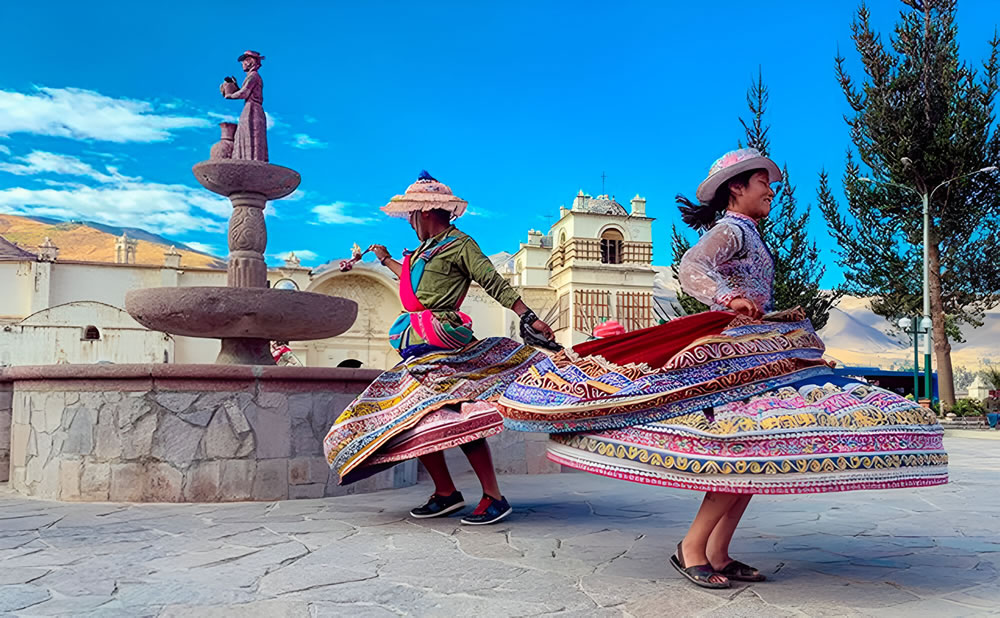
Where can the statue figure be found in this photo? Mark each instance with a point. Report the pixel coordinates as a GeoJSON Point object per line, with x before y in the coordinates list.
{"type": "Point", "coordinates": [251, 133]}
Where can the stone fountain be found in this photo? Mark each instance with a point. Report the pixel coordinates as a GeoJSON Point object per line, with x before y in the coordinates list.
{"type": "Point", "coordinates": [246, 315]}
{"type": "Point", "coordinates": [233, 430]}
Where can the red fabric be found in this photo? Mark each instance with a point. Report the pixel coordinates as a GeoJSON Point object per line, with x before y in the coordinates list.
{"type": "Point", "coordinates": [658, 344]}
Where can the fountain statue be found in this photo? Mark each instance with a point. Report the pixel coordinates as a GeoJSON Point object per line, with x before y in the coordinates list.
{"type": "Point", "coordinates": [246, 314]}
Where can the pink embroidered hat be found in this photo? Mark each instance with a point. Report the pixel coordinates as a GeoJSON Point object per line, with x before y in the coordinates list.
{"type": "Point", "coordinates": [425, 194]}
{"type": "Point", "coordinates": [731, 164]}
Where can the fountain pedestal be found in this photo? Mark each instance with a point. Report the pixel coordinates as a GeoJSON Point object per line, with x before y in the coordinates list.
{"type": "Point", "coordinates": [246, 315]}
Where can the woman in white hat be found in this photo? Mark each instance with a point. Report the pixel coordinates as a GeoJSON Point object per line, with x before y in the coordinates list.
{"type": "Point", "coordinates": [440, 395]}
{"type": "Point", "coordinates": [731, 401]}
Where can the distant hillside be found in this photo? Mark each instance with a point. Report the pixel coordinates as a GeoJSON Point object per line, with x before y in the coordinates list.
{"type": "Point", "coordinates": [95, 242]}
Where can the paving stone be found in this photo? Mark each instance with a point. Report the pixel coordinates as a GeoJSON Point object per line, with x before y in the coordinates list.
{"type": "Point", "coordinates": [578, 545]}
{"type": "Point", "coordinates": [273, 608]}
{"type": "Point", "coordinates": [19, 597]}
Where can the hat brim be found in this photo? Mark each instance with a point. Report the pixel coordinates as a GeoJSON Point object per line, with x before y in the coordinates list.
{"type": "Point", "coordinates": [401, 207]}
{"type": "Point", "coordinates": [245, 56]}
{"type": "Point", "coordinates": [709, 186]}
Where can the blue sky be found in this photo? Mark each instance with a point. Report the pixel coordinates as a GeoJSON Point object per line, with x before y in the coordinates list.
{"type": "Point", "coordinates": [105, 106]}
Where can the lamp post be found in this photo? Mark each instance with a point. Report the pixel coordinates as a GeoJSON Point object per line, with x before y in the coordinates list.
{"type": "Point", "coordinates": [926, 197]}
{"type": "Point", "coordinates": [915, 328]}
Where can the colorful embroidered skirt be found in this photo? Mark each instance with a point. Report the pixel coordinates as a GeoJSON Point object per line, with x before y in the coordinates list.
{"type": "Point", "coordinates": [815, 436]}
{"type": "Point", "coordinates": [739, 358]}
{"type": "Point", "coordinates": [398, 416]}
{"type": "Point", "coordinates": [751, 408]}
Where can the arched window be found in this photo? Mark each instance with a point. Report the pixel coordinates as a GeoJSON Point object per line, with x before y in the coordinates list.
{"type": "Point", "coordinates": [562, 238]}
{"type": "Point", "coordinates": [611, 246]}
{"type": "Point", "coordinates": [351, 363]}
{"type": "Point", "coordinates": [91, 333]}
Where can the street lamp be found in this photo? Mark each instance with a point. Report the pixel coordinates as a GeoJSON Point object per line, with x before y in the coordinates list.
{"type": "Point", "coordinates": [913, 328]}
{"type": "Point", "coordinates": [926, 199]}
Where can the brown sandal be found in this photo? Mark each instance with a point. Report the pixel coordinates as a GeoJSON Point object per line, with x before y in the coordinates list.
{"type": "Point", "coordinates": [698, 575]}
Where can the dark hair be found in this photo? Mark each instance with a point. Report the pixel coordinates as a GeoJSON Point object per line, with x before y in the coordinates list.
{"type": "Point", "coordinates": [701, 216]}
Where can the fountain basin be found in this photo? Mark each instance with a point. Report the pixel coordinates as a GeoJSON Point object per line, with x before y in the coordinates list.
{"type": "Point", "coordinates": [246, 313]}
{"type": "Point", "coordinates": [229, 176]}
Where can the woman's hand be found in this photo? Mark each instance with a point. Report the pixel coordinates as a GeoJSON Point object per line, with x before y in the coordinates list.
{"type": "Point", "coordinates": [745, 306]}
{"type": "Point", "coordinates": [544, 329]}
{"type": "Point", "coordinates": [381, 253]}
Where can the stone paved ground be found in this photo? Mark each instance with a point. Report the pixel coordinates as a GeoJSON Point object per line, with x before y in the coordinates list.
{"type": "Point", "coordinates": [577, 545]}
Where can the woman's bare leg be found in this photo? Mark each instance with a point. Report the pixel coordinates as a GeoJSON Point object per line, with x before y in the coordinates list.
{"type": "Point", "coordinates": [694, 547]}
{"type": "Point", "coordinates": [717, 549]}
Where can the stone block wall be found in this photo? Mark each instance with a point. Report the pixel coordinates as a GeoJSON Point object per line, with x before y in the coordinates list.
{"type": "Point", "coordinates": [195, 433]}
{"type": "Point", "coordinates": [6, 405]}
{"type": "Point", "coordinates": [204, 436]}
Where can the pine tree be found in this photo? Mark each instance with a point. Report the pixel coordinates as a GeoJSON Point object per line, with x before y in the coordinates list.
{"type": "Point", "coordinates": [920, 118]}
{"type": "Point", "coordinates": [797, 265]}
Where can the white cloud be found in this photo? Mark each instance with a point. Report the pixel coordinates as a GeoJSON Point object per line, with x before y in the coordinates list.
{"type": "Point", "coordinates": [310, 119]}
{"type": "Point", "coordinates": [270, 120]}
{"type": "Point", "coordinates": [85, 114]}
{"type": "Point", "coordinates": [334, 214]}
{"type": "Point", "coordinates": [116, 199]}
{"type": "Point", "coordinates": [4, 149]}
{"type": "Point", "coordinates": [40, 162]}
{"type": "Point", "coordinates": [203, 247]}
{"type": "Point", "coordinates": [303, 254]}
{"type": "Point", "coordinates": [304, 142]}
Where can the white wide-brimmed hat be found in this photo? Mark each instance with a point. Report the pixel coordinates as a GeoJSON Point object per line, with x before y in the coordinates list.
{"type": "Point", "coordinates": [731, 164]}
{"type": "Point", "coordinates": [427, 193]}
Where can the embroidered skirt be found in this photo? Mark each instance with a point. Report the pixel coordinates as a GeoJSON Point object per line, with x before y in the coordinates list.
{"type": "Point", "coordinates": [814, 436]}
{"type": "Point", "coordinates": [425, 404]}
{"type": "Point", "coordinates": [749, 407]}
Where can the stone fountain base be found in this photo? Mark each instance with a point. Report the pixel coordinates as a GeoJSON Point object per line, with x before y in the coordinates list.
{"type": "Point", "coordinates": [179, 433]}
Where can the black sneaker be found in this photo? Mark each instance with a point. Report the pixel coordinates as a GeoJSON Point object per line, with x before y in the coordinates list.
{"type": "Point", "coordinates": [438, 506]}
{"type": "Point", "coordinates": [489, 511]}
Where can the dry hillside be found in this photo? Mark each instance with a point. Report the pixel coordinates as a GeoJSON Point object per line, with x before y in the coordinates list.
{"type": "Point", "coordinates": [77, 241]}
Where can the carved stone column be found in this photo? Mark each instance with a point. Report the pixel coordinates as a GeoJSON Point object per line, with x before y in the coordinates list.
{"type": "Point", "coordinates": [247, 240]}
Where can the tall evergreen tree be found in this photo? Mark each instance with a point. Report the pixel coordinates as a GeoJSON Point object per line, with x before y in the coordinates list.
{"type": "Point", "coordinates": [920, 118]}
{"type": "Point", "coordinates": [797, 266]}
